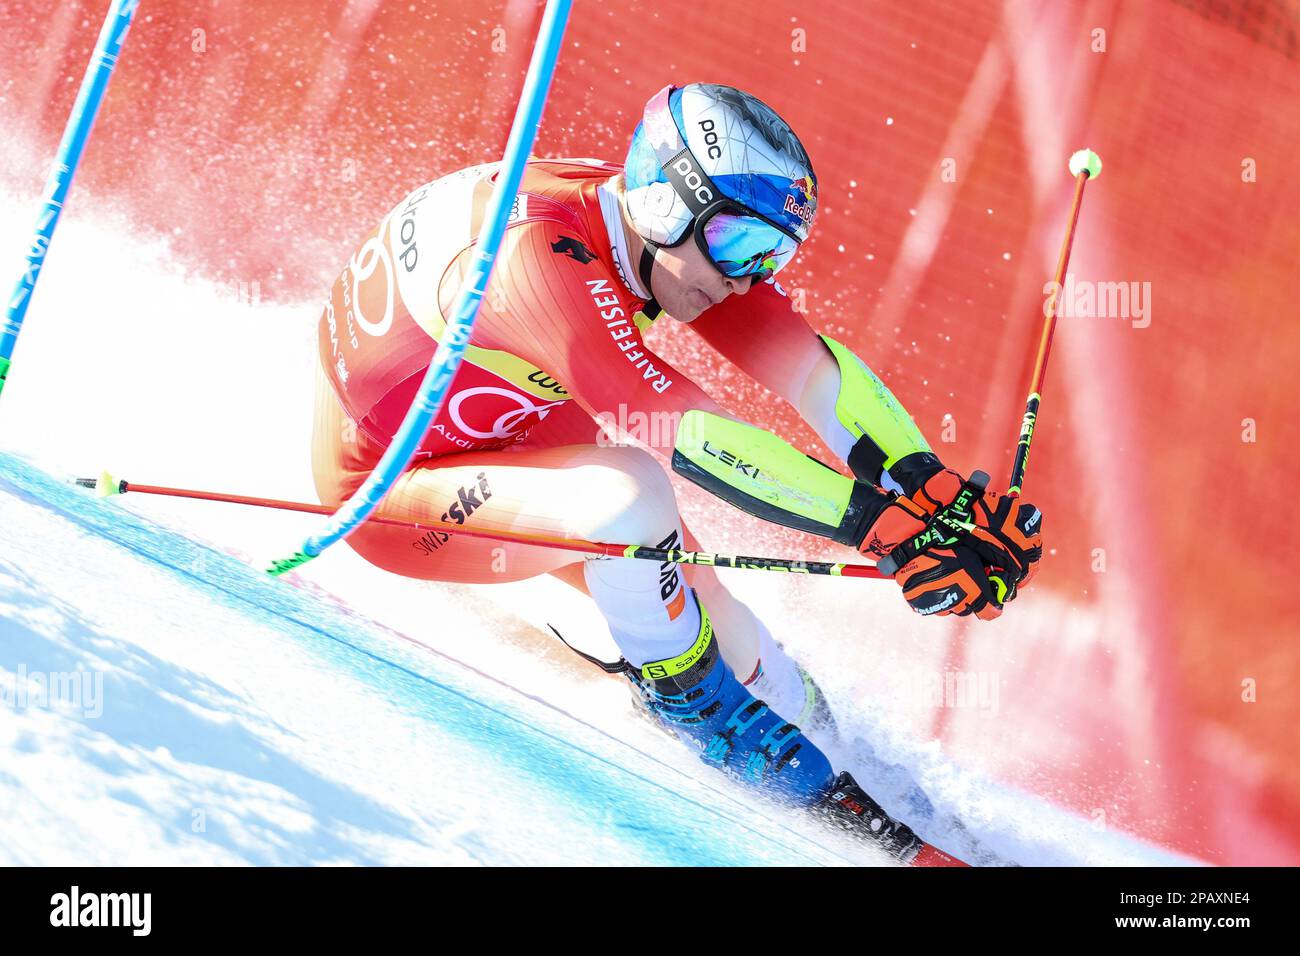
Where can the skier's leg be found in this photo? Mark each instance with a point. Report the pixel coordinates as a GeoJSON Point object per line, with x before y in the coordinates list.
{"type": "Point", "coordinates": [739, 629]}
{"type": "Point", "coordinates": [662, 630]}
{"type": "Point", "coordinates": [746, 643]}
{"type": "Point", "coordinates": [755, 656]}
{"type": "Point", "coordinates": [748, 648]}
{"type": "Point", "coordinates": [664, 633]}
{"type": "Point", "coordinates": [580, 492]}
{"type": "Point", "coordinates": [769, 672]}
{"type": "Point", "coordinates": [596, 493]}
{"type": "Point", "coordinates": [550, 491]}
{"type": "Point", "coordinates": [666, 636]}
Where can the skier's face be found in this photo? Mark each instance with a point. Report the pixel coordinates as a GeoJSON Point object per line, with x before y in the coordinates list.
{"type": "Point", "coordinates": [686, 283]}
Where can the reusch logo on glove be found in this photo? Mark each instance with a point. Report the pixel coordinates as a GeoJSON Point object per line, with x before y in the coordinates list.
{"type": "Point", "coordinates": [950, 597]}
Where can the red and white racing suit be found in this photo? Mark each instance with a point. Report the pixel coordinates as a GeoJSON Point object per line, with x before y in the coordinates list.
{"type": "Point", "coordinates": [555, 374]}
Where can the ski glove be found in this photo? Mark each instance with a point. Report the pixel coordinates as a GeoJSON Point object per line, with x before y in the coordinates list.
{"type": "Point", "coordinates": [956, 548]}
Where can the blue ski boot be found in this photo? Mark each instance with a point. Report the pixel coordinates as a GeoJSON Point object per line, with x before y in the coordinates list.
{"type": "Point", "coordinates": [697, 695]}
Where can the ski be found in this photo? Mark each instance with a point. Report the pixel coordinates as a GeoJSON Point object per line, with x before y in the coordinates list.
{"type": "Point", "coordinates": [848, 807]}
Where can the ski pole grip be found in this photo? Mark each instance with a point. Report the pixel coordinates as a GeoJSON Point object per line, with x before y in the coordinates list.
{"type": "Point", "coordinates": [889, 565]}
{"type": "Point", "coordinates": [1021, 461]}
{"type": "Point", "coordinates": [907, 550]}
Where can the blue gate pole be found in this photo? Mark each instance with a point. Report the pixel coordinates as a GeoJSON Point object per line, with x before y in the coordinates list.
{"type": "Point", "coordinates": [98, 73]}
{"type": "Point", "coordinates": [451, 348]}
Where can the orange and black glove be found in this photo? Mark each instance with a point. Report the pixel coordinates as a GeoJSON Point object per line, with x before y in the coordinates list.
{"type": "Point", "coordinates": [956, 548]}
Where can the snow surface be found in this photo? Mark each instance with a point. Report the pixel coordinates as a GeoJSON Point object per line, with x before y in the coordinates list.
{"type": "Point", "coordinates": [241, 719]}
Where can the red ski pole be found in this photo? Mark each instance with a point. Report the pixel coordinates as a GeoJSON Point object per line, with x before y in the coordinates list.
{"type": "Point", "coordinates": [106, 485]}
{"type": "Point", "coordinates": [1085, 164]}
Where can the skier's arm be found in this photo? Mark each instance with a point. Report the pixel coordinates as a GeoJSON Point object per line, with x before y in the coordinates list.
{"type": "Point", "coordinates": [760, 473]}
{"type": "Point", "coordinates": [570, 318]}
{"type": "Point", "coordinates": [848, 406]}
{"type": "Point", "coordinates": [862, 422]}
{"type": "Point", "coordinates": [573, 319]}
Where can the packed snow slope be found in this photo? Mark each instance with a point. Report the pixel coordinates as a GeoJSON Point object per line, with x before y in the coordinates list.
{"type": "Point", "coordinates": [169, 703]}
{"type": "Point", "coordinates": [221, 717]}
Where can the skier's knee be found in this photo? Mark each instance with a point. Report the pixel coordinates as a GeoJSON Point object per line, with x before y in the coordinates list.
{"type": "Point", "coordinates": [632, 502]}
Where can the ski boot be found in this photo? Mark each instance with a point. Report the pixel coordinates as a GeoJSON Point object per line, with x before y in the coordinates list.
{"type": "Point", "coordinates": [797, 693]}
{"type": "Point", "coordinates": [697, 696]}
{"type": "Point", "coordinates": [814, 713]}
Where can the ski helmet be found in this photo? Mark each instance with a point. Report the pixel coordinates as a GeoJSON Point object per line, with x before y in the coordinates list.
{"type": "Point", "coordinates": [719, 164]}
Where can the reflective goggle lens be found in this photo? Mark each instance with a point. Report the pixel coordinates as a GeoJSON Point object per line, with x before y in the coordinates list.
{"type": "Point", "coordinates": [747, 246]}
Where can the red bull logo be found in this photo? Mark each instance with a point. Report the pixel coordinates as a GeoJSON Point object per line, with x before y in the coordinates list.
{"type": "Point", "coordinates": [802, 200]}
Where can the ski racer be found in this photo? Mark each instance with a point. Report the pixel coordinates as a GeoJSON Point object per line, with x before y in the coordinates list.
{"type": "Point", "coordinates": [561, 420]}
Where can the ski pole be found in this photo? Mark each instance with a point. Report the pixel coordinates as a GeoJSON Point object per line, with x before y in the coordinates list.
{"type": "Point", "coordinates": [107, 486]}
{"type": "Point", "coordinates": [1085, 165]}
{"type": "Point", "coordinates": [82, 118]}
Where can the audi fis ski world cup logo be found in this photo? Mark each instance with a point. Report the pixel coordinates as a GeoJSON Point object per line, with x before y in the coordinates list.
{"type": "Point", "coordinates": [490, 410]}
{"type": "Point", "coordinates": [512, 409]}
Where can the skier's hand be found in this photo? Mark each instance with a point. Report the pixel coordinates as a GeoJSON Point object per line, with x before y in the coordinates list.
{"type": "Point", "coordinates": [951, 581]}
{"type": "Point", "coordinates": [1008, 537]}
{"type": "Point", "coordinates": [972, 567]}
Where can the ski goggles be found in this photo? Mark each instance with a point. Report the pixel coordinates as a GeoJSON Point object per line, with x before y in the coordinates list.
{"type": "Point", "coordinates": [741, 243]}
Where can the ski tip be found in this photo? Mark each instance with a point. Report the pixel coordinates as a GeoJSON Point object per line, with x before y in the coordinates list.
{"type": "Point", "coordinates": [933, 856]}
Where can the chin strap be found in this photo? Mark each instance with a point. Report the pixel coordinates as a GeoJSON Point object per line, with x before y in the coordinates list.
{"type": "Point", "coordinates": [652, 308]}
{"type": "Point", "coordinates": [647, 264]}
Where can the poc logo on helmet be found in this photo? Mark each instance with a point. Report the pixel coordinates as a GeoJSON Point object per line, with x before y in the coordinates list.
{"type": "Point", "coordinates": [703, 194]}
{"type": "Point", "coordinates": [711, 139]}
